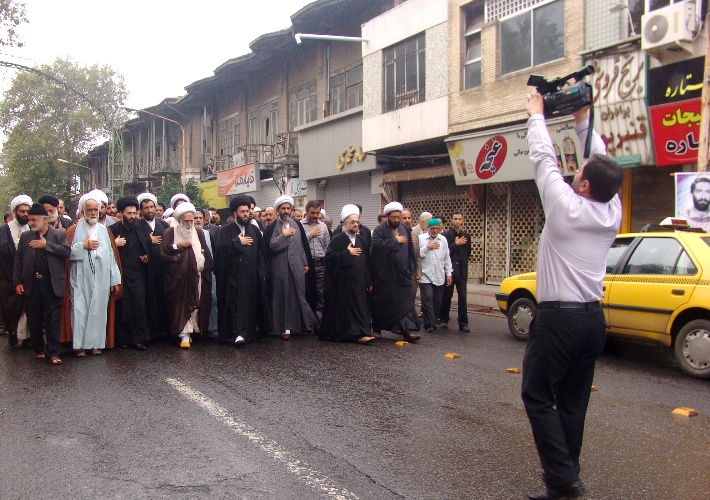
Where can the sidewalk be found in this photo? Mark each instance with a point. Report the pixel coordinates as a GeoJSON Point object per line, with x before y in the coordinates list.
{"type": "Point", "coordinates": [481, 299]}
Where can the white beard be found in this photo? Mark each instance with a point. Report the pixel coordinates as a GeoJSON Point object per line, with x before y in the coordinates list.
{"type": "Point", "coordinates": [92, 220]}
{"type": "Point", "coordinates": [185, 234]}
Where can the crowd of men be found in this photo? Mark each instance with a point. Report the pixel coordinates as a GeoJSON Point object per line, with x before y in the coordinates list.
{"type": "Point", "coordinates": [130, 272]}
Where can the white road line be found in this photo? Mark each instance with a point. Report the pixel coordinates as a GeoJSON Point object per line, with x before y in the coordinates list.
{"type": "Point", "coordinates": [295, 466]}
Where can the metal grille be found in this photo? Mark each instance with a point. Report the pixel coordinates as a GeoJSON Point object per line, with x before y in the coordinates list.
{"type": "Point", "coordinates": [526, 223]}
{"type": "Point", "coordinates": [497, 215]}
{"type": "Point", "coordinates": [441, 196]}
{"type": "Point", "coordinates": [496, 9]}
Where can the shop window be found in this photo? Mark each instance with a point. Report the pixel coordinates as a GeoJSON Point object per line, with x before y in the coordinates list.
{"type": "Point", "coordinates": [473, 15]}
{"type": "Point", "coordinates": [533, 37]}
{"type": "Point", "coordinates": [404, 73]}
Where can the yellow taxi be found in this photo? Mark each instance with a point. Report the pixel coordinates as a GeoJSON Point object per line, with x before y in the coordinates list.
{"type": "Point", "coordinates": [656, 289]}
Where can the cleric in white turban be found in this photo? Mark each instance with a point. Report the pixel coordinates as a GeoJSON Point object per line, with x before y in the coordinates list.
{"type": "Point", "coordinates": [283, 199]}
{"type": "Point", "coordinates": [347, 211]}
{"type": "Point", "coordinates": [393, 206]}
{"type": "Point", "coordinates": [147, 196]}
{"type": "Point", "coordinates": [178, 197]}
{"type": "Point", "coordinates": [12, 305]}
{"type": "Point", "coordinates": [20, 199]}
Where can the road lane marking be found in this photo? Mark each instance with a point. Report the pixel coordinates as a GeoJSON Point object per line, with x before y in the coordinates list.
{"type": "Point", "coordinates": [295, 466]}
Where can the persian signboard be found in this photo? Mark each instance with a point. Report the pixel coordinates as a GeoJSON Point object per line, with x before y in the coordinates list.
{"type": "Point", "coordinates": [238, 180]}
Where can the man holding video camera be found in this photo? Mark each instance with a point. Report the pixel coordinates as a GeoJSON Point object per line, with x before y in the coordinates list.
{"type": "Point", "coordinates": [568, 331]}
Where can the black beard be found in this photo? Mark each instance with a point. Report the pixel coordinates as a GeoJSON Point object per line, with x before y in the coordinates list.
{"type": "Point", "coordinates": [244, 221]}
{"type": "Point", "coordinates": [23, 220]}
{"type": "Point", "coordinates": [701, 205]}
{"type": "Point", "coordinates": [393, 226]}
{"type": "Point", "coordinates": [149, 217]}
{"type": "Point", "coordinates": [128, 224]}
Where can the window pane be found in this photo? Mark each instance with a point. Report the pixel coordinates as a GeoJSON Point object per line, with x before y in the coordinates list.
{"type": "Point", "coordinates": [658, 4]}
{"type": "Point", "coordinates": [472, 75]}
{"type": "Point", "coordinates": [473, 47]}
{"type": "Point", "coordinates": [654, 256]}
{"type": "Point", "coordinates": [685, 265]}
{"type": "Point", "coordinates": [549, 32]}
{"type": "Point", "coordinates": [354, 75]}
{"type": "Point", "coordinates": [515, 43]}
{"type": "Point", "coordinates": [636, 9]}
{"type": "Point", "coordinates": [616, 251]}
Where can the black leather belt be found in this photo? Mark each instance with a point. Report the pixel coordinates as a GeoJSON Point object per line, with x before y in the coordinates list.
{"type": "Point", "coordinates": [40, 276]}
{"type": "Point", "coordinates": [569, 305]}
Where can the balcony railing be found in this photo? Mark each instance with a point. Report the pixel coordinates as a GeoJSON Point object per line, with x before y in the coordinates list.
{"type": "Point", "coordinates": [284, 151]}
{"type": "Point", "coordinates": [286, 148]}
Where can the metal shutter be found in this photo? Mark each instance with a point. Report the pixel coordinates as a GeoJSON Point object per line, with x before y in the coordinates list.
{"type": "Point", "coordinates": [355, 188]}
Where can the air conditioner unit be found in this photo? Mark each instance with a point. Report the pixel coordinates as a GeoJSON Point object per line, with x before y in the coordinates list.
{"type": "Point", "coordinates": [668, 27]}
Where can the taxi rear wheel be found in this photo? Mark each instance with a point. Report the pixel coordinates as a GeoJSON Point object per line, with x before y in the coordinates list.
{"type": "Point", "coordinates": [692, 348]}
{"type": "Point", "coordinates": [520, 316]}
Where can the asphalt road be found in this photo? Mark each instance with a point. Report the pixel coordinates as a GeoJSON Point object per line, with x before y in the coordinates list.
{"type": "Point", "coordinates": [312, 419]}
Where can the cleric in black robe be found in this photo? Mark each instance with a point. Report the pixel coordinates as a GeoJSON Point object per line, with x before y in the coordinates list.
{"type": "Point", "coordinates": [134, 249]}
{"type": "Point", "coordinates": [394, 265]}
{"type": "Point", "coordinates": [156, 302]}
{"type": "Point", "coordinates": [364, 231]}
{"type": "Point", "coordinates": [241, 271]}
{"type": "Point", "coordinates": [346, 312]}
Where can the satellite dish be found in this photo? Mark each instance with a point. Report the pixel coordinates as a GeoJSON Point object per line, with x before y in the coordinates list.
{"type": "Point", "coordinates": [655, 29]}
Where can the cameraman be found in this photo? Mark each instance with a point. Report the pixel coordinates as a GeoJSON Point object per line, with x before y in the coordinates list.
{"type": "Point", "coordinates": [569, 330]}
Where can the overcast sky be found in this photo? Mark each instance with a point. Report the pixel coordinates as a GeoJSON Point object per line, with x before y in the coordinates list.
{"type": "Point", "coordinates": [159, 46]}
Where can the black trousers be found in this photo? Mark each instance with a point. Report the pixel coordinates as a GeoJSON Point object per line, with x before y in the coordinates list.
{"type": "Point", "coordinates": [431, 296]}
{"type": "Point", "coordinates": [460, 283]}
{"type": "Point", "coordinates": [43, 312]}
{"type": "Point", "coordinates": [320, 279]}
{"type": "Point", "coordinates": [558, 369]}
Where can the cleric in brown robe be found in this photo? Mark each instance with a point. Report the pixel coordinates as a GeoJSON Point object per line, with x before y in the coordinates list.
{"type": "Point", "coordinates": [187, 276]}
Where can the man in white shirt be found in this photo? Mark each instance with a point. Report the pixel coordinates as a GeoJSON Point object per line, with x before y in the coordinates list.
{"type": "Point", "coordinates": [436, 272]}
{"type": "Point", "coordinates": [568, 331]}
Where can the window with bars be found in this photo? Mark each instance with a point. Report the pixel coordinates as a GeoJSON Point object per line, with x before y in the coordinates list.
{"type": "Point", "coordinates": [404, 73]}
{"type": "Point", "coordinates": [228, 135]}
{"type": "Point", "coordinates": [303, 106]}
{"type": "Point", "coordinates": [346, 90]}
{"type": "Point", "coordinates": [473, 15]}
{"type": "Point", "coordinates": [533, 37]}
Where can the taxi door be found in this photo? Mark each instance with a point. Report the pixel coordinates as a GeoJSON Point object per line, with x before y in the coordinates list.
{"type": "Point", "coordinates": [654, 281]}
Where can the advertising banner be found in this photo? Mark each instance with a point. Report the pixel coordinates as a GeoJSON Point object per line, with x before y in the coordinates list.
{"type": "Point", "coordinates": [211, 195]}
{"type": "Point", "coordinates": [503, 155]}
{"type": "Point", "coordinates": [676, 132]}
{"type": "Point", "coordinates": [238, 180]}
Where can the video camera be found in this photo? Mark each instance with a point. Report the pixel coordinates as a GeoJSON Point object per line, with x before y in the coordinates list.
{"type": "Point", "coordinates": [561, 99]}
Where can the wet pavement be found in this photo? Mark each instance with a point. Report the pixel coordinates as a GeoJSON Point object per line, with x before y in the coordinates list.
{"type": "Point", "coordinates": [313, 419]}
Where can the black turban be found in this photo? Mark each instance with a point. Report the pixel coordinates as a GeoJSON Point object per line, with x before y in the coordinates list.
{"type": "Point", "coordinates": [239, 201]}
{"type": "Point", "coordinates": [49, 199]}
{"type": "Point", "coordinates": [127, 201]}
{"type": "Point", "coordinates": [38, 209]}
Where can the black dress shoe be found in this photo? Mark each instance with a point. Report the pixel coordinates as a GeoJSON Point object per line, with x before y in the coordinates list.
{"type": "Point", "coordinates": [12, 340]}
{"type": "Point", "coordinates": [138, 347]}
{"type": "Point", "coordinates": [574, 490]}
{"type": "Point", "coordinates": [464, 328]}
{"type": "Point", "coordinates": [410, 337]}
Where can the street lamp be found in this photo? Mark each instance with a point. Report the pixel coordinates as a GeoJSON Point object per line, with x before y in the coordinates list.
{"type": "Point", "coordinates": [138, 111]}
{"type": "Point", "coordinates": [91, 172]}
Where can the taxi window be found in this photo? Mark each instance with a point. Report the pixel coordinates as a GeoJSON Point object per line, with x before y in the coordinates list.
{"type": "Point", "coordinates": [654, 256]}
{"type": "Point", "coordinates": [616, 251]}
{"type": "Point", "coordinates": [706, 240]}
{"type": "Point", "coordinates": [685, 265]}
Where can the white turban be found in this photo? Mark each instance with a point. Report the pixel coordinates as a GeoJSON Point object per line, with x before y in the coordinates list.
{"type": "Point", "coordinates": [91, 195]}
{"type": "Point", "coordinates": [182, 209]}
{"type": "Point", "coordinates": [20, 199]}
{"type": "Point", "coordinates": [257, 209]}
{"type": "Point", "coordinates": [168, 213]}
{"type": "Point", "coordinates": [322, 210]}
{"type": "Point", "coordinates": [347, 211]}
{"type": "Point", "coordinates": [283, 199]}
{"type": "Point", "coordinates": [147, 196]}
{"type": "Point", "coordinates": [393, 206]}
{"type": "Point", "coordinates": [177, 198]}
{"type": "Point", "coordinates": [100, 195]}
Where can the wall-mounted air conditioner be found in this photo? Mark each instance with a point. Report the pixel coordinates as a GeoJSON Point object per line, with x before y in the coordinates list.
{"type": "Point", "coordinates": [672, 26]}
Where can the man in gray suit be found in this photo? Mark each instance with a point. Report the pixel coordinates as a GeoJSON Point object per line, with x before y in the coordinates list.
{"type": "Point", "coordinates": [39, 276]}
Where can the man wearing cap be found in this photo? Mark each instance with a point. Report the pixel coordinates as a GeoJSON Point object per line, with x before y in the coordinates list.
{"type": "Point", "coordinates": [134, 250]}
{"type": "Point", "coordinates": [51, 204]}
{"type": "Point", "coordinates": [394, 266]}
{"type": "Point", "coordinates": [153, 230]}
{"type": "Point", "coordinates": [188, 276]}
{"type": "Point", "coordinates": [39, 276]}
{"type": "Point", "coordinates": [318, 238]}
{"type": "Point", "coordinates": [93, 278]}
{"type": "Point", "coordinates": [12, 306]}
{"type": "Point", "coordinates": [346, 315]}
{"type": "Point", "coordinates": [241, 271]}
{"type": "Point", "coordinates": [292, 277]}
{"type": "Point", "coordinates": [436, 272]}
